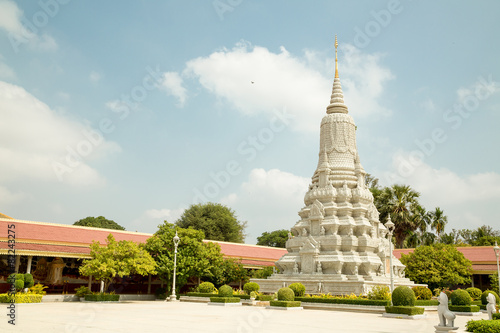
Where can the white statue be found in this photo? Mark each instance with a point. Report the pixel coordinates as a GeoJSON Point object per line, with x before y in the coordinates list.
{"type": "Point", "coordinates": [295, 269]}
{"type": "Point", "coordinates": [491, 307]}
{"type": "Point", "coordinates": [289, 235]}
{"type": "Point", "coordinates": [446, 317]}
{"type": "Point", "coordinates": [319, 269]}
{"type": "Point", "coordinates": [322, 231]}
{"type": "Point", "coordinates": [320, 287]}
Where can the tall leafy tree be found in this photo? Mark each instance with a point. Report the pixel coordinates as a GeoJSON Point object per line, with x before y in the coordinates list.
{"type": "Point", "coordinates": [439, 265]}
{"type": "Point", "coordinates": [99, 222]}
{"type": "Point", "coordinates": [230, 270]}
{"type": "Point", "coordinates": [217, 221]}
{"type": "Point", "coordinates": [121, 259]}
{"type": "Point", "coordinates": [275, 238]}
{"type": "Point", "coordinates": [438, 221]}
{"type": "Point", "coordinates": [195, 258]}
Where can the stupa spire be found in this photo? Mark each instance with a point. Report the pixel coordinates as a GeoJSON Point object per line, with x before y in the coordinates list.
{"type": "Point", "coordinates": [337, 99]}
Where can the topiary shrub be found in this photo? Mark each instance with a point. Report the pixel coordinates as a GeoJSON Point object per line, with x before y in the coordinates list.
{"type": "Point", "coordinates": [422, 292]}
{"type": "Point", "coordinates": [84, 290]}
{"type": "Point", "coordinates": [485, 294]}
{"type": "Point", "coordinates": [447, 292]}
{"type": "Point", "coordinates": [379, 293]}
{"type": "Point", "coordinates": [286, 294]}
{"type": "Point", "coordinates": [403, 296]}
{"type": "Point", "coordinates": [298, 289]}
{"type": "Point", "coordinates": [483, 326]}
{"type": "Point", "coordinates": [253, 294]}
{"type": "Point", "coordinates": [225, 291]}
{"type": "Point", "coordinates": [475, 293]}
{"type": "Point", "coordinates": [460, 297]}
{"type": "Point", "coordinates": [206, 287]}
{"type": "Point", "coordinates": [28, 280]}
{"type": "Point", "coordinates": [251, 286]}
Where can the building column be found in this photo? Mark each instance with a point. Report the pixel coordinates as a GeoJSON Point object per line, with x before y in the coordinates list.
{"type": "Point", "coordinates": [149, 284]}
{"type": "Point", "coordinates": [28, 269]}
{"type": "Point", "coordinates": [18, 261]}
{"type": "Point", "coordinates": [90, 282]}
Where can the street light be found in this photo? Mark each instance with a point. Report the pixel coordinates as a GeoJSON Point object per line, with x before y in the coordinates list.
{"type": "Point", "coordinates": [173, 297]}
{"type": "Point", "coordinates": [390, 227]}
{"type": "Point", "coordinates": [497, 253]}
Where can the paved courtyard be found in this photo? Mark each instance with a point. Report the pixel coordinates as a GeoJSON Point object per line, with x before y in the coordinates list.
{"type": "Point", "coordinates": [150, 316]}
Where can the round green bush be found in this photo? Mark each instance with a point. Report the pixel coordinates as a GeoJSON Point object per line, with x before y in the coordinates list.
{"type": "Point", "coordinates": [485, 294]}
{"type": "Point", "coordinates": [251, 286]}
{"type": "Point", "coordinates": [206, 287]}
{"type": "Point", "coordinates": [225, 291]}
{"type": "Point", "coordinates": [403, 296]}
{"type": "Point", "coordinates": [298, 289]}
{"type": "Point", "coordinates": [475, 293]}
{"type": "Point", "coordinates": [422, 292]}
{"type": "Point", "coordinates": [460, 297]}
{"type": "Point", "coordinates": [253, 294]}
{"type": "Point", "coordinates": [286, 294]}
{"type": "Point", "coordinates": [19, 284]}
{"type": "Point", "coordinates": [447, 292]}
{"type": "Point", "coordinates": [28, 280]}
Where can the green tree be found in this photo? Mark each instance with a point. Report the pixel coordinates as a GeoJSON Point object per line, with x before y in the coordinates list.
{"type": "Point", "coordinates": [275, 238]}
{"type": "Point", "coordinates": [195, 258]}
{"type": "Point", "coordinates": [121, 259]}
{"type": "Point", "coordinates": [230, 270]}
{"type": "Point", "coordinates": [438, 266]}
{"type": "Point", "coordinates": [217, 221]}
{"type": "Point", "coordinates": [494, 283]}
{"type": "Point", "coordinates": [438, 221]}
{"type": "Point", "coordinates": [99, 222]}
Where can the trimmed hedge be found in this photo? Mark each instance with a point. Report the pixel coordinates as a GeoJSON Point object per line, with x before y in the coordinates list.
{"type": "Point", "coordinates": [485, 294]}
{"type": "Point", "coordinates": [358, 301]}
{"type": "Point", "coordinates": [251, 286]}
{"type": "Point", "coordinates": [483, 326]}
{"type": "Point", "coordinates": [403, 296]}
{"type": "Point", "coordinates": [20, 298]}
{"type": "Point", "coordinates": [193, 294]}
{"type": "Point", "coordinates": [28, 280]}
{"type": "Point", "coordinates": [406, 310]}
{"type": "Point", "coordinates": [224, 299]}
{"type": "Point", "coordinates": [286, 294]}
{"type": "Point", "coordinates": [102, 298]}
{"type": "Point", "coordinates": [464, 308]}
{"type": "Point", "coordinates": [496, 316]}
{"type": "Point", "coordinates": [225, 291]}
{"type": "Point", "coordinates": [422, 293]}
{"type": "Point", "coordinates": [460, 297]}
{"type": "Point", "coordinates": [431, 302]}
{"type": "Point", "coordinates": [206, 287]}
{"type": "Point", "coordinates": [298, 289]}
{"type": "Point", "coordinates": [265, 298]}
{"type": "Point", "coordinates": [285, 304]}
{"type": "Point", "coordinates": [475, 293]}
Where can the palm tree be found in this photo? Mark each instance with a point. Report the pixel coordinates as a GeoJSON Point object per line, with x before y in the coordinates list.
{"type": "Point", "coordinates": [401, 202]}
{"type": "Point", "coordinates": [438, 221]}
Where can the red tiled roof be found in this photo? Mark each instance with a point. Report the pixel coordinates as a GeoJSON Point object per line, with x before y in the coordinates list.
{"type": "Point", "coordinates": [476, 254]}
{"type": "Point", "coordinates": [484, 267]}
{"type": "Point", "coordinates": [69, 240]}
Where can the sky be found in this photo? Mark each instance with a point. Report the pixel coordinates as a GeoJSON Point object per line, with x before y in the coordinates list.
{"type": "Point", "coordinates": [135, 110]}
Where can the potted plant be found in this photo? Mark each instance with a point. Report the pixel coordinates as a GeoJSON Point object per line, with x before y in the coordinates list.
{"type": "Point", "coordinates": [81, 291]}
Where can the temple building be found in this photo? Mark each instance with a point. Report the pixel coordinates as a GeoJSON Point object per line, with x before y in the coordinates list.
{"type": "Point", "coordinates": [338, 246]}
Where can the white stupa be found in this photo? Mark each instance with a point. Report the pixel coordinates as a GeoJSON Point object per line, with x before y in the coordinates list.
{"type": "Point", "coordinates": [338, 246]}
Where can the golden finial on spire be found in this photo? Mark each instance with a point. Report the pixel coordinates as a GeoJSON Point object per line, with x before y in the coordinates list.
{"type": "Point", "coordinates": [336, 61]}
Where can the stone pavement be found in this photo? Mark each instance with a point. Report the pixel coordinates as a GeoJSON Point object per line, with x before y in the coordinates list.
{"type": "Point", "coordinates": [155, 316]}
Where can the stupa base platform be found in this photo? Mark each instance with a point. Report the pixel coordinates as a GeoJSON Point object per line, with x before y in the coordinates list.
{"type": "Point", "coordinates": [333, 284]}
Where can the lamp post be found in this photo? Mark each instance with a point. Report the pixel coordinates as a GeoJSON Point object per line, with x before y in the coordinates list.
{"type": "Point", "coordinates": [390, 227]}
{"type": "Point", "coordinates": [497, 253]}
{"type": "Point", "coordinates": [173, 297]}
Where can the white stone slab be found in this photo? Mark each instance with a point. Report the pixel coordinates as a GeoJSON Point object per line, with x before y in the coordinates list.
{"type": "Point", "coordinates": [224, 304]}
{"type": "Point", "coordinates": [284, 308]}
{"type": "Point", "coordinates": [403, 316]}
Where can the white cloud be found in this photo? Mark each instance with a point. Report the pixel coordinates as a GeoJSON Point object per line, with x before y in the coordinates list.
{"type": "Point", "coordinates": [284, 80]}
{"type": "Point", "coordinates": [18, 33]}
{"type": "Point", "coordinates": [172, 84]}
{"type": "Point", "coordinates": [6, 72]}
{"type": "Point", "coordinates": [94, 76]}
{"type": "Point", "coordinates": [469, 200]}
{"type": "Point", "coordinates": [38, 141]}
{"type": "Point", "coordinates": [268, 200]}
{"type": "Point", "coordinates": [151, 218]}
